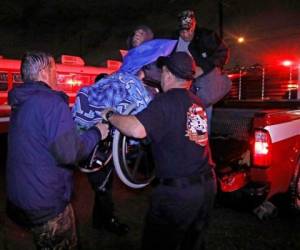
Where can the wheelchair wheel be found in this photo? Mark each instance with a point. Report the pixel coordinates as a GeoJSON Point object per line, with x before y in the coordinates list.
{"type": "Point", "coordinates": [132, 158]}
{"type": "Point", "coordinates": [99, 158]}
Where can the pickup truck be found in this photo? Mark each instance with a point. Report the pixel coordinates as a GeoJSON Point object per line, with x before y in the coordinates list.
{"type": "Point", "coordinates": [255, 138]}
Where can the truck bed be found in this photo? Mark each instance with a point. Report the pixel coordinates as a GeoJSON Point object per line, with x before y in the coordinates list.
{"type": "Point", "coordinates": [230, 135]}
{"type": "Point", "coordinates": [232, 123]}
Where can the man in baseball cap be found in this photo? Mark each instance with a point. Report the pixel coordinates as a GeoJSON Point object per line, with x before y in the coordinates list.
{"type": "Point", "coordinates": [175, 123]}
{"type": "Point", "coordinates": [180, 64]}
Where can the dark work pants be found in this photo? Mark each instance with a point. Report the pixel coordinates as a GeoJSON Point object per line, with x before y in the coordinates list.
{"type": "Point", "coordinates": [178, 217]}
{"type": "Point", "coordinates": [101, 183]}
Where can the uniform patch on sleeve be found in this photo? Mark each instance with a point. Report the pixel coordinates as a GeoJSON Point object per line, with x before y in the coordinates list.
{"type": "Point", "coordinates": [197, 125]}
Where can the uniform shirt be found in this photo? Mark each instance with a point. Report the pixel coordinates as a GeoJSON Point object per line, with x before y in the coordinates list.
{"type": "Point", "coordinates": [176, 124]}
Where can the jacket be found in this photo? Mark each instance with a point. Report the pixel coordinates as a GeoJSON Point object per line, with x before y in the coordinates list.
{"type": "Point", "coordinates": [43, 145]}
{"type": "Point", "coordinates": [208, 50]}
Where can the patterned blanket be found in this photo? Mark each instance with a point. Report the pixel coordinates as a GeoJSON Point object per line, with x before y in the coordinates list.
{"type": "Point", "coordinates": [116, 91]}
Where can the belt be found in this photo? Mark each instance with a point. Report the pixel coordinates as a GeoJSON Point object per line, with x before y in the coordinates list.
{"type": "Point", "coordinates": [184, 181]}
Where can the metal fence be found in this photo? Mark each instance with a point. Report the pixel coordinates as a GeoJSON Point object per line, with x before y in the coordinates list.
{"type": "Point", "coordinates": [264, 82]}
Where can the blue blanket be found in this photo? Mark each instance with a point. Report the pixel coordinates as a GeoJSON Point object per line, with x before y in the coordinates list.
{"type": "Point", "coordinates": [146, 53]}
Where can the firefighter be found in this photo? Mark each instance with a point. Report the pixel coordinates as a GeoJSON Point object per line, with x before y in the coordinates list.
{"type": "Point", "coordinates": [176, 124]}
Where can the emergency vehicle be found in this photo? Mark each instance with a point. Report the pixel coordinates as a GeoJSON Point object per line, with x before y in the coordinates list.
{"type": "Point", "coordinates": [255, 137]}
{"type": "Point", "coordinates": [72, 74]}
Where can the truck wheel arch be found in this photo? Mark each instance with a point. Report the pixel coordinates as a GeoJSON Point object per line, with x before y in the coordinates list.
{"type": "Point", "coordinates": [295, 187]}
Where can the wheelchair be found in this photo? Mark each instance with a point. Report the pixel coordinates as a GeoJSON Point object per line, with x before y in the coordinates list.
{"type": "Point", "coordinates": [132, 158]}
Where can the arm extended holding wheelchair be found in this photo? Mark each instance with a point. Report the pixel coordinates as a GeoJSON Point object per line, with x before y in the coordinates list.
{"type": "Point", "coordinates": [129, 125]}
{"type": "Point", "coordinates": [70, 147]}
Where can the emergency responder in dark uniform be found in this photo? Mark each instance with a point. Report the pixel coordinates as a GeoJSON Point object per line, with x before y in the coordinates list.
{"type": "Point", "coordinates": [176, 124]}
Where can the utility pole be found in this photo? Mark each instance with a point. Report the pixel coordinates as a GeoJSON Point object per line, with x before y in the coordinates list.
{"type": "Point", "coordinates": [220, 7]}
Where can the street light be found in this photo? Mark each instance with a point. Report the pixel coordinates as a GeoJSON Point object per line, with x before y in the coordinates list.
{"type": "Point", "coordinates": [240, 39]}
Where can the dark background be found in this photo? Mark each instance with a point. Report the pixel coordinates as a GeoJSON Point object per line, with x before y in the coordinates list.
{"type": "Point", "coordinates": [96, 30]}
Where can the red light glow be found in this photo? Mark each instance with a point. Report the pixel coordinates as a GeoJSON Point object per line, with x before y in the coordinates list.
{"type": "Point", "coordinates": [233, 182]}
{"type": "Point", "coordinates": [261, 148]}
{"type": "Point", "coordinates": [73, 82]}
{"type": "Point", "coordinates": [280, 57]}
{"type": "Point", "coordinates": [236, 75]}
{"type": "Point", "coordinates": [287, 63]}
{"type": "Point", "coordinates": [292, 86]}
{"type": "Point", "coordinates": [262, 155]}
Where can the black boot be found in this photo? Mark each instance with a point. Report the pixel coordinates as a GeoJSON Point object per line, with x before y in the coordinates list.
{"type": "Point", "coordinates": [103, 214]}
{"type": "Point", "coordinates": [103, 208]}
{"type": "Point", "coordinates": [114, 226]}
{"type": "Point", "coordinates": [103, 211]}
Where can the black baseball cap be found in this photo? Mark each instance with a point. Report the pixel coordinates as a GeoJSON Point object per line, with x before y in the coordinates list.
{"type": "Point", "coordinates": [181, 64]}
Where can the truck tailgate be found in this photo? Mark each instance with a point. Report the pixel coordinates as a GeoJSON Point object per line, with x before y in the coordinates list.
{"type": "Point", "coordinates": [231, 128]}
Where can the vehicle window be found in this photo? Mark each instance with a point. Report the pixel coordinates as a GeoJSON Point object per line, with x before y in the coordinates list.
{"type": "Point", "coordinates": [3, 81]}
{"type": "Point", "coordinates": [17, 79]}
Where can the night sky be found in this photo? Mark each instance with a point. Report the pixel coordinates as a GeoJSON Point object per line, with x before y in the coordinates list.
{"type": "Point", "coordinates": [96, 30]}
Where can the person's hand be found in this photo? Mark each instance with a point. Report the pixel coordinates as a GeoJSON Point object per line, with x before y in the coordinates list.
{"type": "Point", "coordinates": [104, 112]}
{"type": "Point", "coordinates": [103, 128]}
{"type": "Point", "coordinates": [198, 71]}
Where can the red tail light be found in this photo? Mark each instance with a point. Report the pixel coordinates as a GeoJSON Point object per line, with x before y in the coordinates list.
{"type": "Point", "coordinates": [261, 151]}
